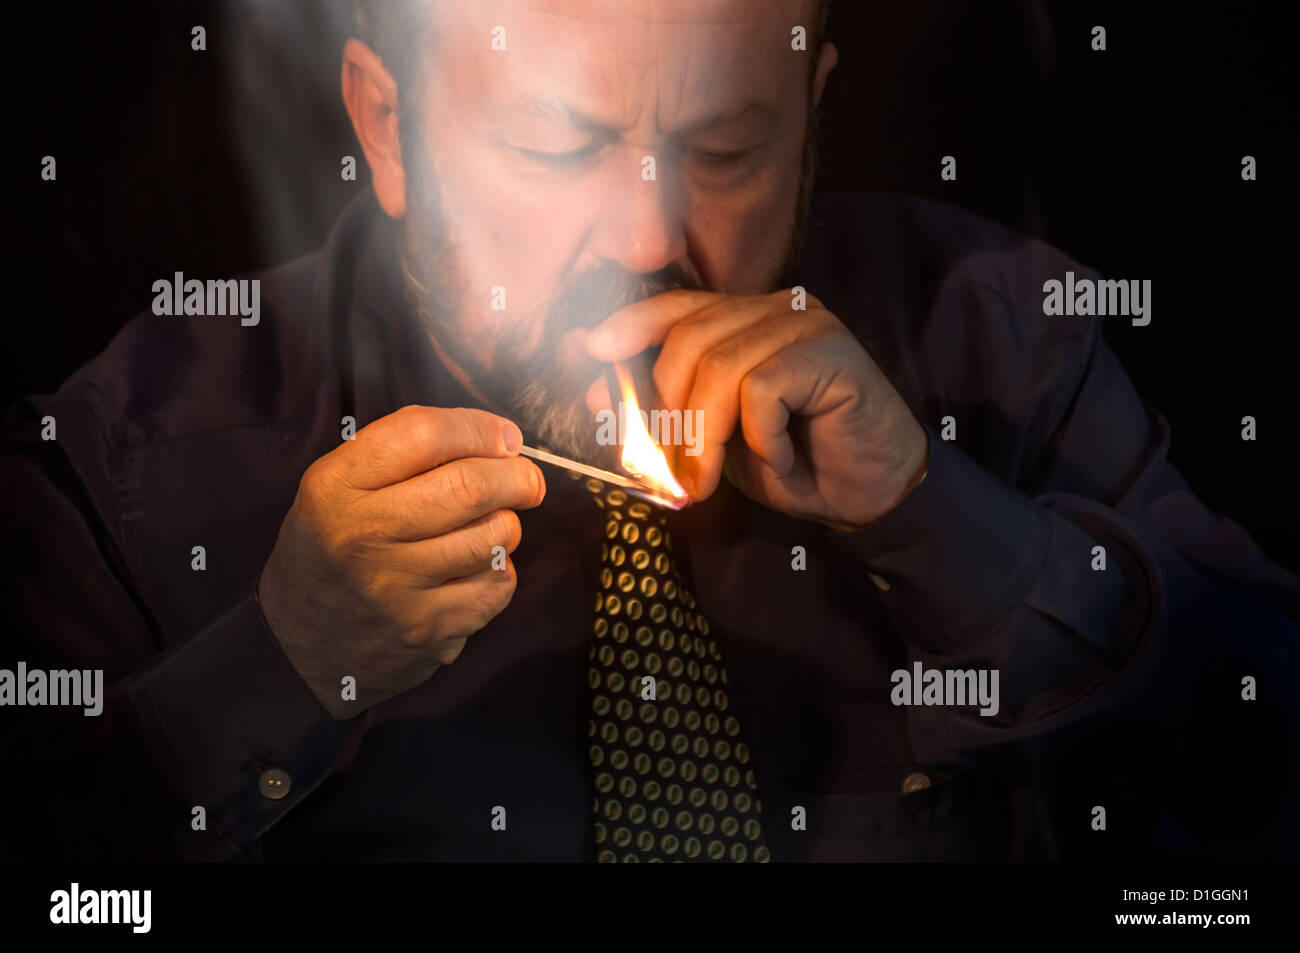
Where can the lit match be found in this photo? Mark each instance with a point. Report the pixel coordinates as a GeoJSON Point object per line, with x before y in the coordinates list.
{"type": "Point", "coordinates": [636, 488]}
{"type": "Point", "coordinates": [651, 479]}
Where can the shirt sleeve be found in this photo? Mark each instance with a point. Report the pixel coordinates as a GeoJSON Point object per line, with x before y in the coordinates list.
{"type": "Point", "coordinates": [183, 726]}
{"type": "Point", "coordinates": [1130, 626]}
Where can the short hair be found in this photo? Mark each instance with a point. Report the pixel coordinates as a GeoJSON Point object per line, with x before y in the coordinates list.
{"type": "Point", "coordinates": [397, 29]}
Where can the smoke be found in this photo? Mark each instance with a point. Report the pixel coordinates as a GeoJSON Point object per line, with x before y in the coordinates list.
{"type": "Point", "coordinates": [526, 372]}
{"type": "Point", "coordinates": [280, 62]}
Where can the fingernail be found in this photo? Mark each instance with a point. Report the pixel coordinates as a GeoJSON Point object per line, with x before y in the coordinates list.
{"type": "Point", "coordinates": [511, 437]}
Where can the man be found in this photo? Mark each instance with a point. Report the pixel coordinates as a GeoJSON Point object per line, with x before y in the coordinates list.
{"type": "Point", "coordinates": [340, 616]}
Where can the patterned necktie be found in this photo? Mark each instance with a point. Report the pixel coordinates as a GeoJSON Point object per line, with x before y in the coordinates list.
{"type": "Point", "coordinates": [672, 777]}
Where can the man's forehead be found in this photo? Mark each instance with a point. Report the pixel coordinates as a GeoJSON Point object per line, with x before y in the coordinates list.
{"type": "Point", "coordinates": [605, 62]}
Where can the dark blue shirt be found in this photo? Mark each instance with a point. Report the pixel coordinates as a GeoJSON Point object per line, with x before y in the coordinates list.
{"type": "Point", "coordinates": [1120, 688]}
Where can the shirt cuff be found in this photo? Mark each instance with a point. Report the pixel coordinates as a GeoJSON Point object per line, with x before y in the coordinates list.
{"type": "Point", "coordinates": [956, 555]}
{"type": "Point", "coordinates": [225, 708]}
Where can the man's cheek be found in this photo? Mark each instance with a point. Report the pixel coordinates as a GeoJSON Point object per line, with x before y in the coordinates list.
{"type": "Point", "coordinates": [514, 242]}
{"type": "Point", "coordinates": [766, 236]}
{"type": "Point", "coordinates": [743, 241]}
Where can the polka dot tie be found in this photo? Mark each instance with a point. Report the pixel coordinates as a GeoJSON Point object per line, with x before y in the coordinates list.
{"type": "Point", "coordinates": [672, 777]}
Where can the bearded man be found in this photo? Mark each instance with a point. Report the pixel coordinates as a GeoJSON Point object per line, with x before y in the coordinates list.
{"type": "Point", "coordinates": [939, 593]}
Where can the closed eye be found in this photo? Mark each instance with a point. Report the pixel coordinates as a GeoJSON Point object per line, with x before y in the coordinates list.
{"type": "Point", "coordinates": [722, 160]}
{"type": "Point", "coordinates": [559, 159]}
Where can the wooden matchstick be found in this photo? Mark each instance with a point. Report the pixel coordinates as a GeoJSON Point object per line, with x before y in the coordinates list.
{"type": "Point", "coordinates": [634, 487]}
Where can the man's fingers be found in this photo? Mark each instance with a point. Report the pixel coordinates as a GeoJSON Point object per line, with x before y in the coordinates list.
{"type": "Point", "coordinates": [765, 416]}
{"type": "Point", "coordinates": [598, 396]}
{"type": "Point", "coordinates": [716, 395]}
{"type": "Point", "coordinates": [415, 439]}
{"type": "Point", "coordinates": [462, 606]}
{"type": "Point", "coordinates": [465, 551]}
{"type": "Point", "coordinates": [638, 326]}
{"type": "Point", "coordinates": [453, 495]}
{"type": "Point", "coordinates": [697, 335]}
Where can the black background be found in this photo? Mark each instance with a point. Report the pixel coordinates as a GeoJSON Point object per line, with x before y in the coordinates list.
{"type": "Point", "coordinates": [228, 160]}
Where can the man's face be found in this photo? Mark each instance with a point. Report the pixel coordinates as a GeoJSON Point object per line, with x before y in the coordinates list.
{"type": "Point", "coordinates": [611, 151]}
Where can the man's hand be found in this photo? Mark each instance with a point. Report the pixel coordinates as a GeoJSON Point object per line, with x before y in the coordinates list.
{"type": "Point", "coordinates": [793, 409]}
{"type": "Point", "coordinates": [383, 566]}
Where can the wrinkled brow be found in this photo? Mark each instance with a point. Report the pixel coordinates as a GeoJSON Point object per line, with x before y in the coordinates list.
{"type": "Point", "coordinates": [554, 110]}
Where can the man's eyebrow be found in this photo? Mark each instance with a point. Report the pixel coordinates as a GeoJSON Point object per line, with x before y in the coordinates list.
{"type": "Point", "coordinates": [756, 110]}
{"type": "Point", "coordinates": [555, 109]}
{"type": "Point", "coordinates": [541, 109]}
{"type": "Point", "coordinates": [552, 110]}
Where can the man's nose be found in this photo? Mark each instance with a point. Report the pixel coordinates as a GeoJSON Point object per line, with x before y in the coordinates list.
{"type": "Point", "coordinates": [643, 225]}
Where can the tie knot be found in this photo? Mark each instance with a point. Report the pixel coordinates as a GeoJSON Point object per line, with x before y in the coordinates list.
{"type": "Point", "coordinates": [634, 530]}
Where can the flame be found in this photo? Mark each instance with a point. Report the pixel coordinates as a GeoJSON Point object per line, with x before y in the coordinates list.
{"type": "Point", "coordinates": [642, 457]}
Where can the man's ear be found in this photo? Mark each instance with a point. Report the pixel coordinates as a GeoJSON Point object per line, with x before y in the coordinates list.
{"type": "Point", "coordinates": [826, 60]}
{"type": "Point", "coordinates": [370, 95]}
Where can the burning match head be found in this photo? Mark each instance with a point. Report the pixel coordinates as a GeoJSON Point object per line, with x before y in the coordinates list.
{"type": "Point", "coordinates": [642, 457]}
{"type": "Point", "coordinates": [635, 487]}
{"type": "Point", "coordinates": [652, 496]}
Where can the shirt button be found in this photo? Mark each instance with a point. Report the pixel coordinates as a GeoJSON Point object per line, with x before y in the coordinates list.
{"type": "Point", "coordinates": [880, 583]}
{"type": "Point", "coordinates": [916, 781]}
{"type": "Point", "coordinates": [274, 783]}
